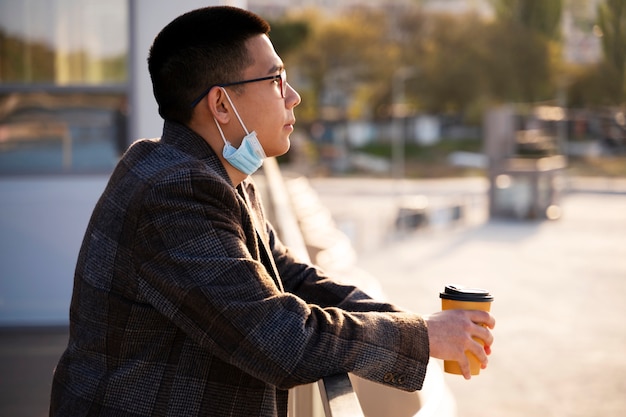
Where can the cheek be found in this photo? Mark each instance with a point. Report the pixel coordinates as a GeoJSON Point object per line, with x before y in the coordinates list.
{"type": "Point", "coordinates": [271, 122]}
{"type": "Point", "coordinates": [265, 117]}
{"type": "Point", "coordinates": [268, 120]}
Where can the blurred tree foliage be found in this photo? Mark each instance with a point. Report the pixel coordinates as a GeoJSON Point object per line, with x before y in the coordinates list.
{"type": "Point", "coordinates": [348, 65]}
{"type": "Point", "coordinates": [612, 24]}
{"type": "Point", "coordinates": [338, 60]}
{"type": "Point", "coordinates": [287, 35]}
{"type": "Point", "coordinates": [542, 17]}
{"type": "Point", "coordinates": [604, 83]}
{"type": "Point", "coordinates": [24, 61]}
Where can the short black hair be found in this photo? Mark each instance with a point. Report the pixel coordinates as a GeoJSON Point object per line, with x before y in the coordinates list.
{"type": "Point", "coordinates": [198, 49]}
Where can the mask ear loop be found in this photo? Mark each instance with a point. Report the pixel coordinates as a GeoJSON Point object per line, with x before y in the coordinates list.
{"type": "Point", "coordinates": [221, 132]}
{"type": "Point", "coordinates": [235, 110]}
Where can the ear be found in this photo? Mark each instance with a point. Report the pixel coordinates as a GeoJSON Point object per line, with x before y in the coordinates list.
{"type": "Point", "coordinates": [218, 105]}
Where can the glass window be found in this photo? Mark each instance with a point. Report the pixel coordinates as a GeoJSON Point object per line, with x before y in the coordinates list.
{"type": "Point", "coordinates": [63, 84]}
{"type": "Point", "coordinates": [63, 41]}
{"type": "Point", "coordinates": [43, 132]}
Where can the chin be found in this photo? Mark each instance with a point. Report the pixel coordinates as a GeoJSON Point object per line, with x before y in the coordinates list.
{"type": "Point", "coordinates": [279, 151]}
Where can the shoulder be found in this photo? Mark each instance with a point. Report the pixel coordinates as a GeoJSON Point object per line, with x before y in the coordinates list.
{"type": "Point", "coordinates": [156, 160]}
{"type": "Point", "coordinates": [154, 170]}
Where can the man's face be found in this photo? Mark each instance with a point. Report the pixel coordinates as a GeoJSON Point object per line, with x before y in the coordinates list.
{"type": "Point", "coordinates": [260, 104]}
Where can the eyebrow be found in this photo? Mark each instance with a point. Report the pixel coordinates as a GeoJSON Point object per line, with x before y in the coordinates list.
{"type": "Point", "coordinates": [276, 68]}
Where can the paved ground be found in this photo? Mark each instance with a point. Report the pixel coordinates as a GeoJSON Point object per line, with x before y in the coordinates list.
{"type": "Point", "coordinates": [559, 295]}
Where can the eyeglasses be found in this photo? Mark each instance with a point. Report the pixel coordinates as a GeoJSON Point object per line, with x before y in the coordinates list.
{"type": "Point", "coordinates": [281, 78]}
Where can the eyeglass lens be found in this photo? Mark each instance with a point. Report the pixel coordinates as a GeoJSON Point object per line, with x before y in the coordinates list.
{"type": "Point", "coordinates": [283, 83]}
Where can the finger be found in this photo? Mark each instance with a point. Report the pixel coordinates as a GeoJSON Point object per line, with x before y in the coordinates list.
{"type": "Point", "coordinates": [482, 318]}
{"type": "Point", "coordinates": [480, 331]}
{"type": "Point", "coordinates": [465, 367]}
{"type": "Point", "coordinates": [478, 350]}
{"type": "Point", "coordinates": [485, 335]}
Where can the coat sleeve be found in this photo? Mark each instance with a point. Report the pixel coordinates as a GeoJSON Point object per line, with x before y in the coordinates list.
{"type": "Point", "coordinates": [313, 285]}
{"type": "Point", "coordinates": [196, 264]}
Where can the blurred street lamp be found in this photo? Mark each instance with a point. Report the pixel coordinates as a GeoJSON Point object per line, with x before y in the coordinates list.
{"type": "Point", "coordinates": [398, 112]}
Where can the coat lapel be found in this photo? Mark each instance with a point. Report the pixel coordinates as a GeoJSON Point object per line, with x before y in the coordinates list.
{"type": "Point", "coordinates": [261, 233]}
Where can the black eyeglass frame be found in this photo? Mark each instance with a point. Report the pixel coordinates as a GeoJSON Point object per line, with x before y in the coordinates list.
{"type": "Point", "coordinates": [282, 77]}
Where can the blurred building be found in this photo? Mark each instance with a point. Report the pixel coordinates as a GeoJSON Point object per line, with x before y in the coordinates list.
{"type": "Point", "coordinates": [74, 93]}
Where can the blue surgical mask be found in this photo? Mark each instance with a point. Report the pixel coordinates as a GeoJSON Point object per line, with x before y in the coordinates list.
{"type": "Point", "coordinates": [249, 156]}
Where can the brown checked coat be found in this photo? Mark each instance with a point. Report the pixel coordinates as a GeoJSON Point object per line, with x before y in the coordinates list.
{"type": "Point", "coordinates": [186, 303]}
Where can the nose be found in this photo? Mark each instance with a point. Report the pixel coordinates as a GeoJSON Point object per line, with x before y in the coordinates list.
{"type": "Point", "coordinates": [292, 98]}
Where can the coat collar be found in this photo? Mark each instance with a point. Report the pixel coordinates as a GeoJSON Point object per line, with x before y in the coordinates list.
{"type": "Point", "coordinates": [188, 141]}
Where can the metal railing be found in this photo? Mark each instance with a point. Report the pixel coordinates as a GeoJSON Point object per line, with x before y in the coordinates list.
{"type": "Point", "coordinates": [337, 394]}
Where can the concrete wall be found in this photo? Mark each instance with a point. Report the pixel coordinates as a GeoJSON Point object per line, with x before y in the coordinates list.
{"type": "Point", "coordinates": [42, 222]}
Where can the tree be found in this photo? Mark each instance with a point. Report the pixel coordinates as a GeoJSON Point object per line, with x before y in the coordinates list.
{"type": "Point", "coordinates": [340, 60]}
{"type": "Point", "coordinates": [594, 86]}
{"type": "Point", "coordinates": [289, 35]}
{"type": "Point", "coordinates": [520, 64]}
{"type": "Point", "coordinates": [450, 55]}
{"type": "Point", "coordinates": [539, 16]}
{"type": "Point", "coordinates": [458, 64]}
{"type": "Point", "coordinates": [527, 35]}
{"type": "Point", "coordinates": [612, 23]}
{"type": "Point", "coordinates": [22, 61]}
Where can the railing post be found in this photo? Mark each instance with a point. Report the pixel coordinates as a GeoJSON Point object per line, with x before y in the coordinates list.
{"type": "Point", "coordinates": [338, 397]}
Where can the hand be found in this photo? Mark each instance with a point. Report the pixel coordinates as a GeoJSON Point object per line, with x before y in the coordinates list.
{"type": "Point", "coordinates": [450, 334]}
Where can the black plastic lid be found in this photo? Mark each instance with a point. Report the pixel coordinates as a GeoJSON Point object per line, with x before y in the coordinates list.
{"type": "Point", "coordinates": [459, 293]}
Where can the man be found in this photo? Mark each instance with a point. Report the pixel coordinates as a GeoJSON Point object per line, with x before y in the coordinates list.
{"type": "Point", "coordinates": [185, 302]}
